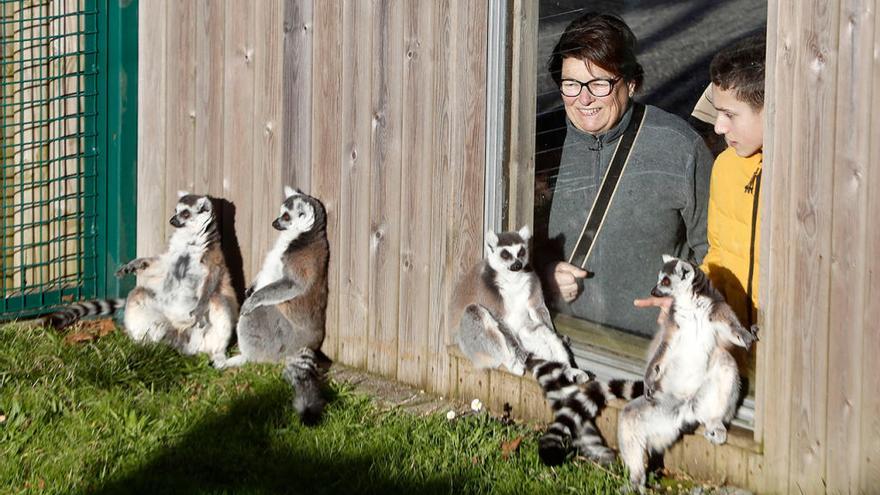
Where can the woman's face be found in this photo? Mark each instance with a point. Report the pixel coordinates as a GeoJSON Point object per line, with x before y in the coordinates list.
{"type": "Point", "coordinates": [592, 114]}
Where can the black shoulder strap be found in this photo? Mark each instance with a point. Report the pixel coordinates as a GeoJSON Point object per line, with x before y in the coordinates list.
{"type": "Point", "coordinates": [598, 211]}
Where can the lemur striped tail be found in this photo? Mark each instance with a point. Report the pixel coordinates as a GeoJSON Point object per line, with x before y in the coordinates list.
{"type": "Point", "coordinates": [69, 315]}
{"type": "Point", "coordinates": [305, 372]}
{"type": "Point", "coordinates": [575, 406]}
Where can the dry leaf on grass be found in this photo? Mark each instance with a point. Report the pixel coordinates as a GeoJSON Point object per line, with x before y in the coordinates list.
{"type": "Point", "coordinates": [508, 448]}
{"type": "Point", "coordinates": [89, 330]}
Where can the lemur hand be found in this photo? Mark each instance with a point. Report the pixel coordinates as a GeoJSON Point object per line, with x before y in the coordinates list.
{"type": "Point", "coordinates": [200, 315]}
{"type": "Point", "coordinates": [249, 305]}
{"type": "Point", "coordinates": [651, 384]}
{"type": "Point", "coordinates": [132, 266]}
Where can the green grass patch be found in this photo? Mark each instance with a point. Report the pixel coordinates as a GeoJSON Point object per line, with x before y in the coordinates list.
{"type": "Point", "coordinates": [110, 416]}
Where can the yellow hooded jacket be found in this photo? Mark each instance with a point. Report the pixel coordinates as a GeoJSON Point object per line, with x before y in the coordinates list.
{"type": "Point", "coordinates": [734, 226]}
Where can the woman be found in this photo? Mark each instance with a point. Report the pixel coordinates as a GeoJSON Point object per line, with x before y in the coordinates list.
{"type": "Point", "coordinates": [659, 205]}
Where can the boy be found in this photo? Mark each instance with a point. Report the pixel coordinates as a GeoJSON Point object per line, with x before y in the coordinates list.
{"type": "Point", "coordinates": [737, 74]}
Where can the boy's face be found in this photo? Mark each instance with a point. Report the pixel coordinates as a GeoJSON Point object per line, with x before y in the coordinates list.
{"type": "Point", "coordinates": [741, 126]}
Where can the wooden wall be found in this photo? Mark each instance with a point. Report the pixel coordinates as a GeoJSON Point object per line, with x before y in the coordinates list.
{"type": "Point", "coordinates": [819, 406]}
{"type": "Point", "coordinates": [377, 107]}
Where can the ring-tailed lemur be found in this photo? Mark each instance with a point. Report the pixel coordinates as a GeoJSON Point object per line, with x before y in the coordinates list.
{"type": "Point", "coordinates": [504, 321]}
{"type": "Point", "coordinates": [283, 317]}
{"type": "Point", "coordinates": [501, 297]}
{"type": "Point", "coordinates": [183, 297]}
{"type": "Point", "coordinates": [691, 378]}
{"type": "Point", "coordinates": [574, 398]}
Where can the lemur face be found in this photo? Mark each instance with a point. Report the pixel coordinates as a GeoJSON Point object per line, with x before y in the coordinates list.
{"type": "Point", "coordinates": [675, 275]}
{"type": "Point", "coordinates": [191, 212]}
{"type": "Point", "coordinates": [508, 251]}
{"type": "Point", "coordinates": [297, 213]}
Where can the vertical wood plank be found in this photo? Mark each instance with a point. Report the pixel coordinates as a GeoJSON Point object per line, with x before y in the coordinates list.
{"type": "Point", "coordinates": [267, 133]}
{"type": "Point", "coordinates": [327, 147]}
{"type": "Point", "coordinates": [354, 205]}
{"type": "Point", "coordinates": [385, 190]}
{"type": "Point", "coordinates": [472, 383]}
{"type": "Point", "coordinates": [296, 148]}
{"type": "Point", "coordinates": [869, 424]}
{"type": "Point", "coordinates": [238, 136]}
{"type": "Point", "coordinates": [731, 466]}
{"type": "Point", "coordinates": [774, 395]}
{"type": "Point", "coordinates": [505, 388]}
{"type": "Point", "coordinates": [209, 116]}
{"type": "Point", "coordinates": [180, 130]}
{"type": "Point", "coordinates": [533, 404]}
{"type": "Point", "coordinates": [440, 375]}
{"type": "Point", "coordinates": [814, 95]}
{"type": "Point", "coordinates": [466, 153]}
{"type": "Point", "coordinates": [418, 192]}
{"type": "Point", "coordinates": [152, 99]}
{"type": "Point", "coordinates": [848, 245]}
{"type": "Point", "coordinates": [520, 171]}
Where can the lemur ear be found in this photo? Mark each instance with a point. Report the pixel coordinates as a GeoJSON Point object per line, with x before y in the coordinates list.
{"type": "Point", "coordinates": [525, 233]}
{"type": "Point", "coordinates": [289, 191]}
{"type": "Point", "coordinates": [491, 240]}
{"type": "Point", "coordinates": [203, 204]}
{"type": "Point", "coordinates": [667, 258]}
{"type": "Point", "coordinates": [181, 194]}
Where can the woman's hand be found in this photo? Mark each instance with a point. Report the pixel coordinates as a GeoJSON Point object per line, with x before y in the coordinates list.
{"type": "Point", "coordinates": [563, 279]}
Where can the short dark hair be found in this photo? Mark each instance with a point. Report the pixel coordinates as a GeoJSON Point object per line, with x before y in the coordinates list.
{"type": "Point", "coordinates": [604, 40]}
{"type": "Point", "coordinates": [741, 66]}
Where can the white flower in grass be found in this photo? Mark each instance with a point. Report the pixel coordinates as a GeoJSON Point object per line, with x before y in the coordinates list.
{"type": "Point", "coordinates": [450, 415]}
{"type": "Point", "coordinates": [476, 405]}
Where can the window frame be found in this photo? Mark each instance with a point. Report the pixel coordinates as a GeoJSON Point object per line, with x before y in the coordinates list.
{"type": "Point", "coordinates": [510, 169]}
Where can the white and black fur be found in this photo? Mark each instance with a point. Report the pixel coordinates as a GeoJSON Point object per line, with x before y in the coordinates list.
{"type": "Point", "coordinates": [184, 296]}
{"type": "Point", "coordinates": [691, 378]}
{"type": "Point", "coordinates": [283, 317]}
{"type": "Point", "coordinates": [500, 309]}
{"type": "Point", "coordinates": [575, 407]}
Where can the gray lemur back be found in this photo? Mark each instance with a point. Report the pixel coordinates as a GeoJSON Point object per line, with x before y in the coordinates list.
{"type": "Point", "coordinates": [283, 317]}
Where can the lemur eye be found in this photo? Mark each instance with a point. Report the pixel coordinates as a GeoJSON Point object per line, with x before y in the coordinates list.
{"type": "Point", "coordinates": [665, 282]}
{"type": "Point", "coordinates": [184, 214]}
{"type": "Point", "coordinates": [505, 256]}
{"type": "Point", "coordinates": [521, 253]}
{"type": "Point", "coordinates": [286, 217]}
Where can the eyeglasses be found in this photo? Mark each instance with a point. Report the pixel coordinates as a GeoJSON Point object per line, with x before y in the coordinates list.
{"type": "Point", "coordinates": [596, 87]}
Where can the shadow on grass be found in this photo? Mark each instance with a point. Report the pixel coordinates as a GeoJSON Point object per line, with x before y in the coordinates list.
{"type": "Point", "coordinates": [259, 446]}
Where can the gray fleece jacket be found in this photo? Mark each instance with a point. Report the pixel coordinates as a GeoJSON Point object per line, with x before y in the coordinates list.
{"type": "Point", "coordinates": [659, 208]}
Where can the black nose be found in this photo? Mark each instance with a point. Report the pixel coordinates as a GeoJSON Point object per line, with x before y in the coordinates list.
{"type": "Point", "coordinates": [516, 266]}
{"type": "Point", "coordinates": [656, 292]}
{"type": "Point", "coordinates": [277, 225]}
{"type": "Point", "coordinates": [175, 222]}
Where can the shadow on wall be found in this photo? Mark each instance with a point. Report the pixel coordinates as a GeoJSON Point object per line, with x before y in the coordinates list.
{"type": "Point", "coordinates": [229, 244]}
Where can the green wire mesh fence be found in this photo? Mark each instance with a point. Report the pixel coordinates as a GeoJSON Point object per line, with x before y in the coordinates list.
{"type": "Point", "coordinates": [48, 153]}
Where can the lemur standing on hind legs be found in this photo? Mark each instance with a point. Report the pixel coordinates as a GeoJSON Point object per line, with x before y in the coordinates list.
{"type": "Point", "coordinates": [283, 316]}
{"type": "Point", "coordinates": [183, 297]}
{"type": "Point", "coordinates": [691, 378]}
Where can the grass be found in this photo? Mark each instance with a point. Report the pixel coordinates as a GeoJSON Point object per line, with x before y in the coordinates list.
{"type": "Point", "coordinates": [110, 416]}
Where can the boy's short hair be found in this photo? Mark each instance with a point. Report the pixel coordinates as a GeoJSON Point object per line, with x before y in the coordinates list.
{"type": "Point", "coordinates": [741, 66]}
